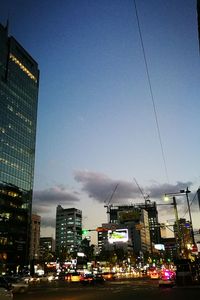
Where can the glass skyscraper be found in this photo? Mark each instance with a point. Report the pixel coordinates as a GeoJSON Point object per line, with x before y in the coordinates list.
{"type": "Point", "coordinates": [19, 82]}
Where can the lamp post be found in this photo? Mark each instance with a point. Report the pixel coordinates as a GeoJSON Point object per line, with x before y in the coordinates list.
{"type": "Point", "coordinates": [178, 237]}
{"type": "Point", "coordinates": [186, 192]}
{"type": "Point", "coordinates": [189, 211]}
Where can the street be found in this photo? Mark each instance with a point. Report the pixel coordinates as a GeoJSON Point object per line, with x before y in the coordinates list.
{"type": "Point", "coordinates": [115, 290]}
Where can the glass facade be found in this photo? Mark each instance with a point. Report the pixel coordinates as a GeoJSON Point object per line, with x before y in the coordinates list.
{"type": "Point", "coordinates": [19, 82]}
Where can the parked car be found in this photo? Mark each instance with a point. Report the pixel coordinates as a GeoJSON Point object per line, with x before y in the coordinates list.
{"type": "Point", "coordinates": [5, 290]}
{"type": "Point", "coordinates": [18, 285]}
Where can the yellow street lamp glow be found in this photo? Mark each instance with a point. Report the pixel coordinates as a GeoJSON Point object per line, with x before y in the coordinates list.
{"type": "Point", "coordinates": [166, 198]}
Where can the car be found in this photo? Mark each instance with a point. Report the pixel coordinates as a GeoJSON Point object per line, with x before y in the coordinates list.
{"type": "Point", "coordinates": [18, 285]}
{"type": "Point", "coordinates": [92, 279]}
{"type": "Point", "coordinates": [44, 278]}
{"type": "Point", "coordinates": [99, 278]}
{"type": "Point", "coordinates": [26, 278]}
{"type": "Point", "coordinates": [87, 278]}
{"type": "Point", "coordinates": [154, 275]}
{"type": "Point", "coordinates": [5, 290]}
{"type": "Point", "coordinates": [74, 277]}
{"type": "Point", "coordinates": [109, 275]}
{"type": "Point", "coordinates": [167, 278]}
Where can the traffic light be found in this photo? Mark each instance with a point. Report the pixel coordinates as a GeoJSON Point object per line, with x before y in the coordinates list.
{"type": "Point", "coordinates": [84, 231]}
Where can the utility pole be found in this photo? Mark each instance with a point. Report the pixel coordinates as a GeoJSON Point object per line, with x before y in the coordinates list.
{"type": "Point", "coordinates": [190, 216]}
{"type": "Point", "coordinates": [186, 192]}
{"type": "Point", "coordinates": [178, 238]}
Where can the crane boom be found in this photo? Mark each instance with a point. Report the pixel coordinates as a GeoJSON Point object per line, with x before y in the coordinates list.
{"type": "Point", "coordinates": [141, 191]}
{"type": "Point", "coordinates": [108, 205]}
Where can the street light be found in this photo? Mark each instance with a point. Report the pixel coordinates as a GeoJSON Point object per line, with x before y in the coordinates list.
{"type": "Point", "coordinates": [177, 221]}
{"type": "Point", "coordinates": [186, 192]}
{"type": "Point", "coordinates": [189, 211]}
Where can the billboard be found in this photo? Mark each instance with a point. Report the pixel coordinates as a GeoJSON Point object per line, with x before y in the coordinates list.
{"type": "Point", "coordinates": [118, 235]}
{"type": "Point", "coordinates": [159, 247]}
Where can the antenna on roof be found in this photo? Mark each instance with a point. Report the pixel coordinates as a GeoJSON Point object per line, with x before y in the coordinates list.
{"type": "Point", "coordinates": [7, 22]}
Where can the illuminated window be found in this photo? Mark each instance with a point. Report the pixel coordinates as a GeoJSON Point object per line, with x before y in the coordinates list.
{"type": "Point", "coordinates": [22, 67]}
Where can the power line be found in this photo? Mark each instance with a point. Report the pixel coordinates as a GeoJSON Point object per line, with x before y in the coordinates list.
{"type": "Point", "coordinates": [190, 205]}
{"type": "Point", "coordinates": [151, 92]}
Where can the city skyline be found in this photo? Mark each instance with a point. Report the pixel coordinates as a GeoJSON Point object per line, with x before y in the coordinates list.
{"type": "Point", "coordinates": [96, 124]}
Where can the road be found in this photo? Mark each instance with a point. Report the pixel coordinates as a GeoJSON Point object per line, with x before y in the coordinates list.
{"type": "Point", "coordinates": [115, 290]}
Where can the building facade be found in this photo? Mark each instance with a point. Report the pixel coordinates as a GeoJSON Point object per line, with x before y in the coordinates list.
{"type": "Point", "coordinates": [154, 225]}
{"type": "Point", "coordinates": [68, 231]}
{"type": "Point", "coordinates": [128, 213]}
{"type": "Point", "coordinates": [47, 248]}
{"type": "Point", "coordinates": [35, 237]}
{"type": "Point", "coordinates": [183, 236]}
{"type": "Point", "coordinates": [135, 219]}
{"type": "Point", "coordinates": [19, 83]}
{"type": "Point", "coordinates": [137, 222]}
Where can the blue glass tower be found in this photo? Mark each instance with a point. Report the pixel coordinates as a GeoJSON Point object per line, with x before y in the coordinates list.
{"type": "Point", "coordinates": [19, 82]}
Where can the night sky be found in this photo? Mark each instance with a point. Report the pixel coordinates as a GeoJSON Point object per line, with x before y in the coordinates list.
{"type": "Point", "coordinates": [96, 120]}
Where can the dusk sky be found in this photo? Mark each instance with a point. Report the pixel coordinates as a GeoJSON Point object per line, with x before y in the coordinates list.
{"type": "Point", "coordinates": [96, 121]}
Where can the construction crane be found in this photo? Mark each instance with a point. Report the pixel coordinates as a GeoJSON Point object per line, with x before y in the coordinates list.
{"type": "Point", "coordinates": [108, 205]}
{"type": "Point", "coordinates": [146, 198]}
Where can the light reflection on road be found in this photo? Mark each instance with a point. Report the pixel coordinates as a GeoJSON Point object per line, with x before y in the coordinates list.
{"type": "Point", "coordinates": [115, 290]}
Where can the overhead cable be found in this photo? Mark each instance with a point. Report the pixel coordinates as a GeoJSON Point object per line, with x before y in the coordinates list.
{"type": "Point", "coordinates": [151, 93]}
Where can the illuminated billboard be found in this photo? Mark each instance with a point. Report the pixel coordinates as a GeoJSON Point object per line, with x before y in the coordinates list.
{"type": "Point", "coordinates": [118, 235]}
{"type": "Point", "coordinates": [159, 246]}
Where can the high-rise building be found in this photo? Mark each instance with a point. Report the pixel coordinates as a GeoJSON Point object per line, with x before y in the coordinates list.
{"type": "Point", "coordinates": [35, 237]}
{"type": "Point", "coordinates": [198, 20]}
{"type": "Point", "coordinates": [19, 82]}
{"type": "Point", "coordinates": [135, 219]}
{"type": "Point", "coordinates": [154, 225]}
{"type": "Point", "coordinates": [68, 230]}
{"type": "Point", "coordinates": [47, 246]}
{"type": "Point", "coordinates": [183, 235]}
{"type": "Point", "coordinates": [135, 214]}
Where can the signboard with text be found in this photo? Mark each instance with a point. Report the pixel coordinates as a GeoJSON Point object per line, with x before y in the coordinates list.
{"type": "Point", "coordinates": [118, 235]}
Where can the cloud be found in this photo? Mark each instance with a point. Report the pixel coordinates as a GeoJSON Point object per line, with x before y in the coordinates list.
{"type": "Point", "coordinates": [45, 202]}
{"type": "Point", "coordinates": [48, 221]}
{"type": "Point", "coordinates": [100, 187]}
{"type": "Point", "coordinates": [104, 189]}
{"type": "Point", "coordinates": [157, 190]}
{"type": "Point", "coordinates": [55, 195]}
